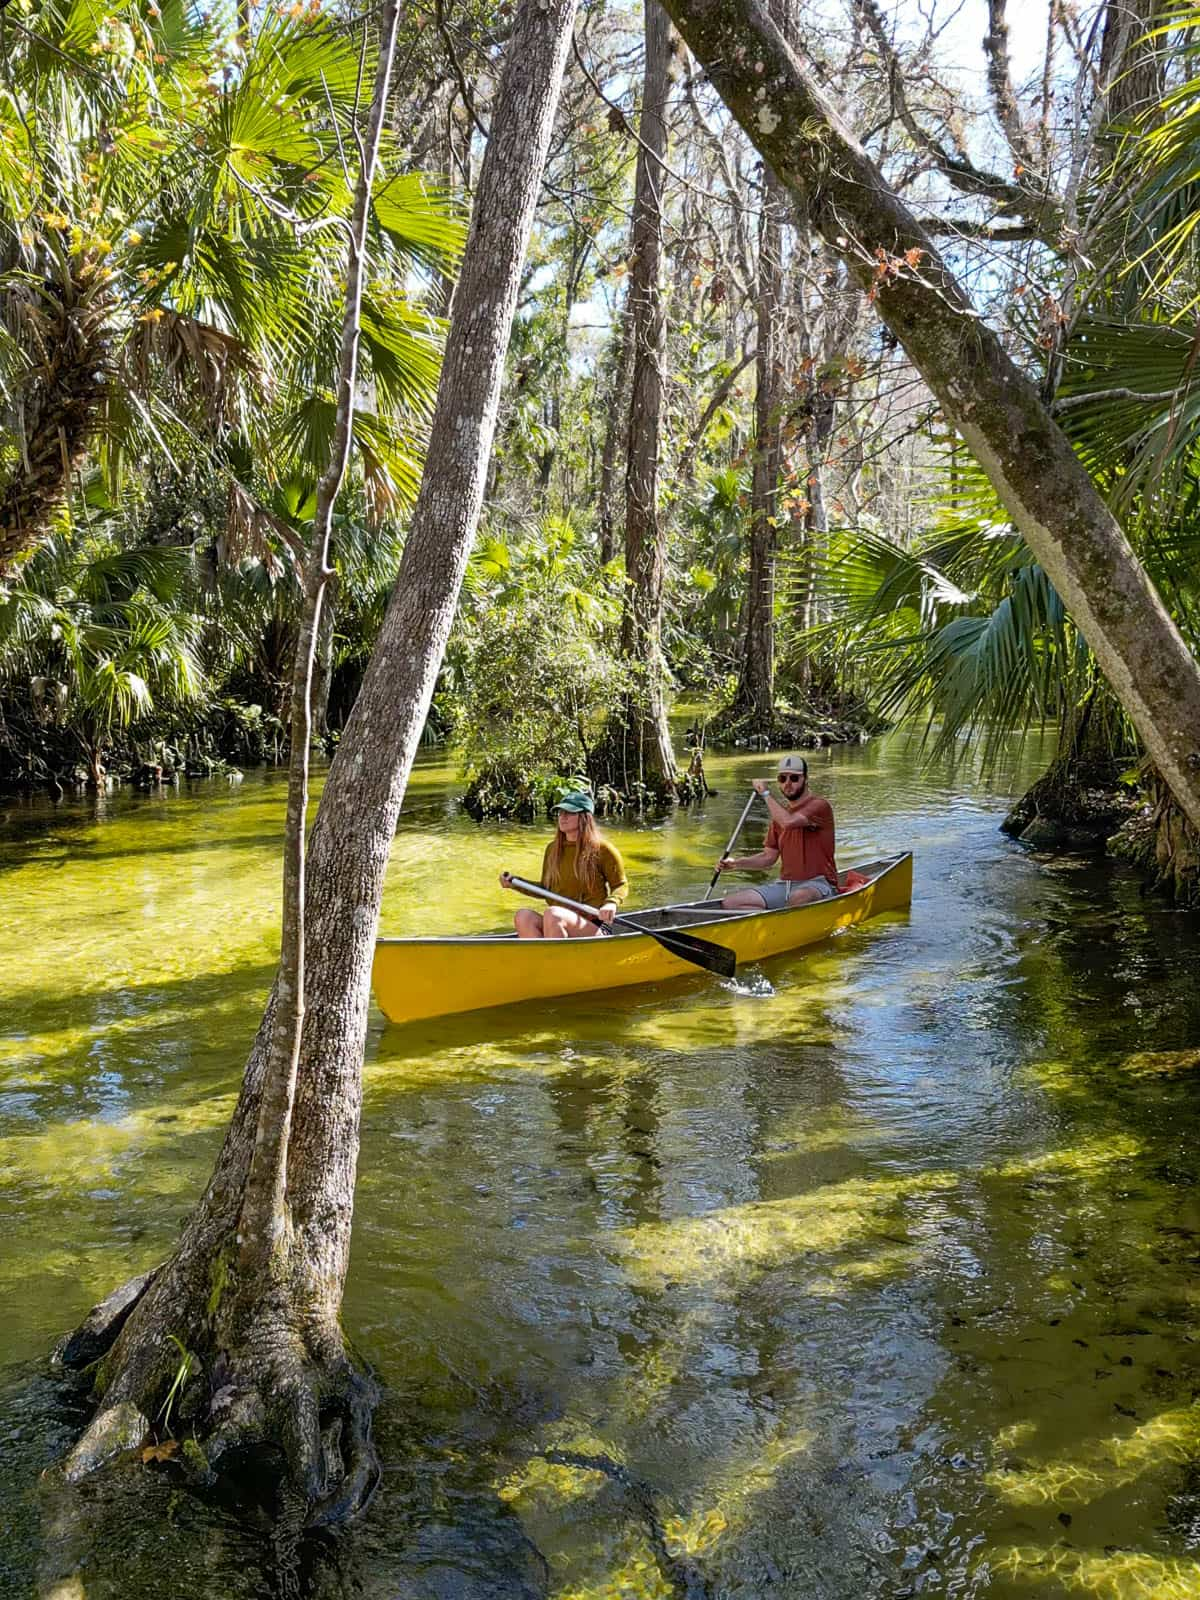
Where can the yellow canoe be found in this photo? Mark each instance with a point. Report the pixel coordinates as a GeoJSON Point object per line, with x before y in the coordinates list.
{"type": "Point", "coordinates": [416, 978]}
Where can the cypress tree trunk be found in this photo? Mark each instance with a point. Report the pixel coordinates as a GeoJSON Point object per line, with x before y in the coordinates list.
{"type": "Point", "coordinates": [265, 1325]}
{"type": "Point", "coordinates": [756, 686]}
{"type": "Point", "coordinates": [1079, 802]}
{"type": "Point", "coordinates": [638, 744]}
{"type": "Point", "coordinates": [618, 409]}
{"type": "Point", "coordinates": [993, 406]}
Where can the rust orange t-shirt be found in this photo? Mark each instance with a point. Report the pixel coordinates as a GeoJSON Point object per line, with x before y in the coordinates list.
{"type": "Point", "coordinates": [805, 852]}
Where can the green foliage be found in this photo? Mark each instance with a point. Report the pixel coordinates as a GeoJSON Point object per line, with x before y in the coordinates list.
{"type": "Point", "coordinates": [192, 175]}
{"type": "Point", "coordinates": [963, 628]}
{"type": "Point", "coordinates": [533, 677]}
{"type": "Point", "coordinates": [188, 1364]}
{"type": "Point", "coordinates": [708, 581]}
{"type": "Point", "coordinates": [95, 636]}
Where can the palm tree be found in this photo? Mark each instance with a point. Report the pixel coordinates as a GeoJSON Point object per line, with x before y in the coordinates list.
{"type": "Point", "coordinates": [172, 205]}
{"type": "Point", "coordinates": [98, 638]}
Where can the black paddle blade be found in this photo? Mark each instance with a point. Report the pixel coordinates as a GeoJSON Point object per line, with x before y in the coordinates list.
{"type": "Point", "coordinates": [700, 952]}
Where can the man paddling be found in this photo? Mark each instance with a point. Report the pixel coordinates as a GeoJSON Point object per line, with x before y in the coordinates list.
{"type": "Point", "coordinates": [801, 833]}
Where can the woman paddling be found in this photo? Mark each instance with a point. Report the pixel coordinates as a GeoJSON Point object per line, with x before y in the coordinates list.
{"type": "Point", "coordinates": [580, 863]}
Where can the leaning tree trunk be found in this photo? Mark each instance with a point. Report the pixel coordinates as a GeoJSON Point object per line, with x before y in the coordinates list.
{"type": "Point", "coordinates": [994, 407]}
{"type": "Point", "coordinates": [277, 1371]}
{"type": "Point", "coordinates": [638, 743]}
{"type": "Point", "coordinates": [58, 408]}
{"type": "Point", "coordinates": [755, 698]}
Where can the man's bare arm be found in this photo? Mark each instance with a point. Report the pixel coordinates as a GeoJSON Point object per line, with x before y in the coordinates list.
{"type": "Point", "coordinates": [755, 863]}
{"type": "Point", "coordinates": [801, 817]}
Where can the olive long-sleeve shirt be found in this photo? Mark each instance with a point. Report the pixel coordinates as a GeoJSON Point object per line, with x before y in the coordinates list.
{"type": "Point", "coordinates": [609, 883]}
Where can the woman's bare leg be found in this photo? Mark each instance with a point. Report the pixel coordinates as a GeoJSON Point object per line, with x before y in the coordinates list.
{"type": "Point", "coordinates": [528, 924]}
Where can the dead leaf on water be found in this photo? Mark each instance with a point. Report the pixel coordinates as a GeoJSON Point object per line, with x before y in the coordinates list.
{"type": "Point", "coordinates": [161, 1452]}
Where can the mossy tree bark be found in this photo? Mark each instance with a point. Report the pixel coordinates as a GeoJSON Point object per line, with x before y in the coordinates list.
{"type": "Point", "coordinates": [987, 399]}
{"type": "Point", "coordinates": [258, 1304]}
{"type": "Point", "coordinates": [637, 748]}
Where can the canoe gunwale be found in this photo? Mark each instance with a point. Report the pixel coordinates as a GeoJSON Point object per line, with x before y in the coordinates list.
{"type": "Point", "coordinates": [723, 918]}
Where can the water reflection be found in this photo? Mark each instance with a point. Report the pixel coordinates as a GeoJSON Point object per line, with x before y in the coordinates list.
{"type": "Point", "coordinates": [873, 1275]}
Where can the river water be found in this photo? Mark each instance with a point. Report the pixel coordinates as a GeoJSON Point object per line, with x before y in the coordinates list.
{"type": "Point", "coordinates": [874, 1275]}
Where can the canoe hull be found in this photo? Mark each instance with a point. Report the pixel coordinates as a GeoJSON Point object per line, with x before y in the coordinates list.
{"type": "Point", "coordinates": [423, 978]}
{"type": "Point", "coordinates": [416, 978]}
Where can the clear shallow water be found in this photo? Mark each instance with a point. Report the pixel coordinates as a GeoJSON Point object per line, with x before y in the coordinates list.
{"type": "Point", "coordinates": [877, 1272]}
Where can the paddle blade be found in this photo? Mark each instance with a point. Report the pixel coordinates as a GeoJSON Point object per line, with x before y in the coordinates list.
{"type": "Point", "coordinates": [700, 952]}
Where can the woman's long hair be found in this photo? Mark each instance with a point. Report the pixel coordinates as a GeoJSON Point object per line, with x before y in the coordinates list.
{"type": "Point", "coordinates": [587, 865]}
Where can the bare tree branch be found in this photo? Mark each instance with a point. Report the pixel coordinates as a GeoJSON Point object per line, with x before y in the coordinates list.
{"type": "Point", "coordinates": [999, 77]}
{"type": "Point", "coordinates": [1072, 402]}
{"type": "Point", "coordinates": [1040, 208]}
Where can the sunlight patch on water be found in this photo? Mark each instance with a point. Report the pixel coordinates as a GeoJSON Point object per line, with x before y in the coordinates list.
{"type": "Point", "coordinates": [1160, 1063]}
{"type": "Point", "coordinates": [1108, 1575]}
{"type": "Point", "coordinates": [1096, 1467]}
{"type": "Point", "coordinates": [766, 1234]}
{"type": "Point", "coordinates": [74, 1157]}
{"type": "Point", "coordinates": [1087, 1160]}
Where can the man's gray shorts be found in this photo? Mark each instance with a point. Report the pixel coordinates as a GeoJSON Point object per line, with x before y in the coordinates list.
{"type": "Point", "coordinates": [778, 894]}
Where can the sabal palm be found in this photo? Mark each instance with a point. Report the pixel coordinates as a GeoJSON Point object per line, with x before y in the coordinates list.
{"type": "Point", "coordinates": [171, 246]}
{"type": "Point", "coordinates": [99, 637]}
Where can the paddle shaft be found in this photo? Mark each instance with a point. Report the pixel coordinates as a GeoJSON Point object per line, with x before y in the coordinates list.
{"type": "Point", "coordinates": [539, 891]}
{"type": "Point", "coordinates": [733, 838]}
{"type": "Point", "coordinates": [700, 952]}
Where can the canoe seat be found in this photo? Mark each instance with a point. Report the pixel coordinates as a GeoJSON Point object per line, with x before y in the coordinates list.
{"type": "Point", "coordinates": [682, 916]}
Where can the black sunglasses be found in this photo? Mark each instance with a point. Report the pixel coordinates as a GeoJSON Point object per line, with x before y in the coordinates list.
{"type": "Point", "coordinates": [791, 777]}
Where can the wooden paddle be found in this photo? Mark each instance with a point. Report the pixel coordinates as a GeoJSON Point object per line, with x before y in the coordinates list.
{"type": "Point", "coordinates": [733, 837]}
{"type": "Point", "coordinates": [700, 952]}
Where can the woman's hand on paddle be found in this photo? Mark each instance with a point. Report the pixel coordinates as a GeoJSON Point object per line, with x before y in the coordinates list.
{"type": "Point", "coordinates": [607, 912]}
{"type": "Point", "coordinates": [506, 880]}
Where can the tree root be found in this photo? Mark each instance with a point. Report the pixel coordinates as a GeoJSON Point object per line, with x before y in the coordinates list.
{"type": "Point", "coordinates": [318, 1422]}
{"type": "Point", "coordinates": [97, 1333]}
{"type": "Point", "coordinates": [686, 1580]}
{"type": "Point", "coordinates": [361, 1471]}
{"type": "Point", "coordinates": [276, 1399]}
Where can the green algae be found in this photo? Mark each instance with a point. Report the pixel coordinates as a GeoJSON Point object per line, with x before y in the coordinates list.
{"type": "Point", "coordinates": [873, 1274]}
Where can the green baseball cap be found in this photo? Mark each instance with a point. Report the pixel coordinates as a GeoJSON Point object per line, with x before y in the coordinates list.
{"type": "Point", "coordinates": [575, 800]}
